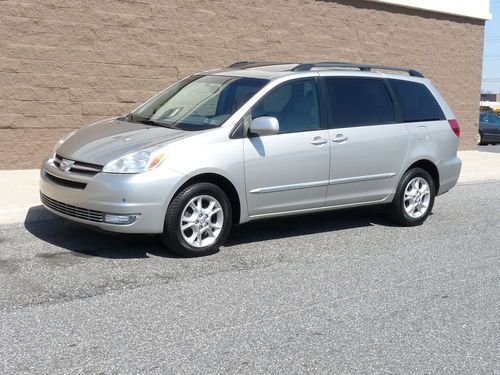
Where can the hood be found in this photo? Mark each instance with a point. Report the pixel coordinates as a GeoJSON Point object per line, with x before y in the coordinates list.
{"type": "Point", "coordinates": [107, 140]}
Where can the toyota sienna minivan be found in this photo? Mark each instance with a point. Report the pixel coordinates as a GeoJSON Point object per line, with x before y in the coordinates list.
{"type": "Point", "coordinates": [258, 140]}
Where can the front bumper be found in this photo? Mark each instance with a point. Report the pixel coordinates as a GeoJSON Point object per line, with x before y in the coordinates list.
{"type": "Point", "coordinates": [86, 197]}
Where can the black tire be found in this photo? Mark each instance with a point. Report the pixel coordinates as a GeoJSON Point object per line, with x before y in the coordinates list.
{"type": "Point", "coordinates": [172, 236]}
{"type": "Point", "coordinates": [397, 207]}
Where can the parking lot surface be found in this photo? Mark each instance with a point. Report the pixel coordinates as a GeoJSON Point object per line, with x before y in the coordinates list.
{"type": "Point", "coordinates": [489, 148]}
{"type": "Point", "coordinates": [339, 292]}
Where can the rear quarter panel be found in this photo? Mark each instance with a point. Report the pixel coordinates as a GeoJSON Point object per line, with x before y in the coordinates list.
{"type": "Point", "coordinates": [440, 144]}
{"type": "Point", "coordinates": [434, 141]}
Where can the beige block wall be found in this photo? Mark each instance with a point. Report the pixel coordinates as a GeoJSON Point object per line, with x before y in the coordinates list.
{"type": "Point", "coordinates": [67, 63]}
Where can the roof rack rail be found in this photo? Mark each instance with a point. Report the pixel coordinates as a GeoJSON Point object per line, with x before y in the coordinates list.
{"type": "Point", "coordinates": [362, 67]}
{"type": "Point", "coordinates": [254, 64]}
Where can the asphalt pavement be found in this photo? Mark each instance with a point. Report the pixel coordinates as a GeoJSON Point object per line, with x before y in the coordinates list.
{"type": "Point", "coordinates": [489, 148]}
{"type": "Point", "coordinates": [339, 292]}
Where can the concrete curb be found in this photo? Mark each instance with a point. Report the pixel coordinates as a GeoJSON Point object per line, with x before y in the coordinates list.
{"type": "Point", "coordinates": [479, 166]}
{"type": "Point", "coordinates": [18, 195]}
{"type": "Point", "coordinates": [30, 214]}
{"type": "Point", "coordinates": [20, 201]}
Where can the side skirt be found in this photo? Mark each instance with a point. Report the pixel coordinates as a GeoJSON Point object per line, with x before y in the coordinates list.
{"type": "Point", "coordinates": [384, 200]}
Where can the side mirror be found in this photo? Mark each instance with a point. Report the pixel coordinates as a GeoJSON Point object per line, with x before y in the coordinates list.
{"type": "Point", "coordinates": [265, 125]}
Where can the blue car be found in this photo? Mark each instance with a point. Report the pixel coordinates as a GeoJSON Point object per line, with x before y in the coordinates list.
{"type": "Point", "coordinates": [489, 129]}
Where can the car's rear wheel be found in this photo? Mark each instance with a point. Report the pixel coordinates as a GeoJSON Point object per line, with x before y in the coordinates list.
{"type": "Point", "coordinates": [198, 220]}
{"type": "Point", "coordinates": [414, 198]}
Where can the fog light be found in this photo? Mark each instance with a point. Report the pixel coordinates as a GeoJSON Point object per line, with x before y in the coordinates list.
{"type": "Point", "coordinates": [120, 219]}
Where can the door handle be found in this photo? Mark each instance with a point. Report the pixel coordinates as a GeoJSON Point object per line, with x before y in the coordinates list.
{"type": "Point", "coordinates": [340, 138]}
{"type": "Point", "coordinates": [317, 141]}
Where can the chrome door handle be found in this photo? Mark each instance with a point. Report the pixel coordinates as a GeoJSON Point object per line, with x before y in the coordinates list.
{"type": "Point", "coordinates": [318, 141]}
{"type": "Point", "coordinates": [340, 138]}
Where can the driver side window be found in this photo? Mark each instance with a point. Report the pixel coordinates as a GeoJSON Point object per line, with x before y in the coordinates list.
{"type": "Point", "coordinates": [295, 104]}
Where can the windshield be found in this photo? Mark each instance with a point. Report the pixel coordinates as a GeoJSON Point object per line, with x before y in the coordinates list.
{"type": "Point", "coordinates": [198, 102]}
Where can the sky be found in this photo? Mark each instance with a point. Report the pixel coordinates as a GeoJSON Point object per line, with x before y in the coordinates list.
{"type": "Point", "coordinates": [491, 61]}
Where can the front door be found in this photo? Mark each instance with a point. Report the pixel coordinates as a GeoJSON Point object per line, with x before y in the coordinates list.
{"type": "Point", "coordinates": [289, 170]}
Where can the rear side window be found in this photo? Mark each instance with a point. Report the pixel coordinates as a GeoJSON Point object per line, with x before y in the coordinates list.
{"type": "Point", "coordinates": [416, 101]}
{"type": "Point", "coordinates": [359, 102]}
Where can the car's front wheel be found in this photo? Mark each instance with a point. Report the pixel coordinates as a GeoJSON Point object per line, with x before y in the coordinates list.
{"type": "Point", "coordinates": [198, 220]}
{"type": "Point", "coordinates": [479, 139]}
{"type": "Point", "coordinates": [414, 197]}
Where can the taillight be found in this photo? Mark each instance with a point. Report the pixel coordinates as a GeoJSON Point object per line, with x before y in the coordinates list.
{"type": "Point", "coordinates": [455, 126]}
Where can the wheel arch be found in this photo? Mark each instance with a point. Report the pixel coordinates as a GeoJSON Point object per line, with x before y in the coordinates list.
{"type": "Point", "coordinates": [430, 167]}
{"type": "Point", "coordinates": [222, 182]}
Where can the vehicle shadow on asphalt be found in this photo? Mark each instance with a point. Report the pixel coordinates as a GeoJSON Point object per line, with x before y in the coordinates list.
{"type": "Point", "coordinates": [89, 241]}
{"type": "Point", "coordinates": [293, 226]}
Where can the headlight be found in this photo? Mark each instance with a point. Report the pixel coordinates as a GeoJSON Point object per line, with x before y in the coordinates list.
{"type": "Point", "coordinates": [62, 140]}
{"type": "Point", "coordinates": [137, 162]}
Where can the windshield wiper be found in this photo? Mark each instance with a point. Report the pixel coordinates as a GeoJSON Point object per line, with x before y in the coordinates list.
{"type": "Point", "coordinates": [155, 123]}
{"type": "Point", "coordinates": [130, 117]}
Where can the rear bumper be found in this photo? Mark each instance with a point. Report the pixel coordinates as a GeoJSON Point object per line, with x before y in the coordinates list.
{"type": "Point", "coordinates": [146, 194]}
{"type": "Point", "coordinates": [449, 172]}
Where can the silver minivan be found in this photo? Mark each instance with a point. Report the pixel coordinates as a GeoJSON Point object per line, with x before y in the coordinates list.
{"type": "Point", "coordinates": [258, 140]}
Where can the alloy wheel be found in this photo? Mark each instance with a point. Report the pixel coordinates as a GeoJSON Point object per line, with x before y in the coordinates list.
{"type": "Point", "coordinates": [201, 221]}
{"type": "Point", "coordinates": [417, 198]}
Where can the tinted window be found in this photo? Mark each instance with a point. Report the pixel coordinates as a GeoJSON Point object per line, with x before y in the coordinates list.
{"type": "Point", "coordinates": [359, 102]}
{"type": "Point", "coordinates": [294, 104]}
{"type": "Point", "coordinates": [416, 101]}
{"type": "Point", "coordinates": [489, 118]}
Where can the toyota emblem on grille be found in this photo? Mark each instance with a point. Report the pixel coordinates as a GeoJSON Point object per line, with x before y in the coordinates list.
{"type": "Point", "coordinates": [66, 165]}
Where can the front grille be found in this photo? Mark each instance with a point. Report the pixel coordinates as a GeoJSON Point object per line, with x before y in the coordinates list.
{"type": "Point", "coordinates": [79, 166]}
{"type": "Point", "coordinates": [73, 211]}
{"type": "Point", "coordinates": [64, 182]}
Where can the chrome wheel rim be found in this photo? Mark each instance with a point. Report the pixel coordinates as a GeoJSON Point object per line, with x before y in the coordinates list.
{"type": "Point", "coordinates": [201, 221]}
{"type": "Point", "coordinates": [417, 198]}
{"type": "Point", "coordinates": [478, 138]}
